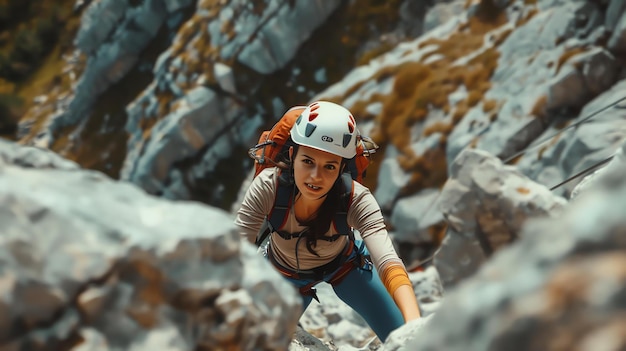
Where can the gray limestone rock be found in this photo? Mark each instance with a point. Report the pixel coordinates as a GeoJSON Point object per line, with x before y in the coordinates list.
{"type": "Point", "coordinates": [486, 204]}
{"type": "Point", "coordinates": [562, 280]}
{"type": "Point", "coordinates": [82, 255]}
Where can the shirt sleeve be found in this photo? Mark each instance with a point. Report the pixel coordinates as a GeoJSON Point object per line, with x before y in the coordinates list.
{"type": "Point", "coordinates": [365, 216]}
{"type": "Point", "coordinates": [256, 204]}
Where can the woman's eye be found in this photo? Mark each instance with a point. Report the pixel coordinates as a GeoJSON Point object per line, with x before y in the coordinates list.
{"type": "Point", "coordinates": [307, 161]}
{"type": "Point", "coordinates": [330, 167]}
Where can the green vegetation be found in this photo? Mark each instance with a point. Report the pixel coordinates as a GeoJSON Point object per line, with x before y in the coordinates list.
{"type": "Point", "coordinates": [30, 31]}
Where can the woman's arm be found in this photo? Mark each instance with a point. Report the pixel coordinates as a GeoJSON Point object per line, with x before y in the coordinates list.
{"type": "Point", "coordinates": [256, 204]}
{"type": "Point", "coordinates": [365, 215]}
{"type": "Point", "coordinates": [404, 296]}
{"type": "Point", "coordinates": [396, 280]}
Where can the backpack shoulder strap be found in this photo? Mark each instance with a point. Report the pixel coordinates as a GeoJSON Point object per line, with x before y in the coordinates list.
{"type": "Point", "coordinates": [277, 217]}
{"type": "Point", "coordinates": [282, 203]}
{"type": "Point", "coordinates": [341, 217]}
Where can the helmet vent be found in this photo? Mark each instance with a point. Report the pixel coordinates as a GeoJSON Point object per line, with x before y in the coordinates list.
{"type": "Point", "coordinates": [312, 116]}
{"type": "Point", "coordinates": [310, 127]}
{"type": "Point", "coordinates": [346, 139]}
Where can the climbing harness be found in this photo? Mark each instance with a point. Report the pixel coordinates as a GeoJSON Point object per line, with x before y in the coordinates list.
{"type": "Point", "coordinates": [337, 269]}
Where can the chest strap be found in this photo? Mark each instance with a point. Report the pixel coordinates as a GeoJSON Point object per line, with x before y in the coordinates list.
{"type": "Point", "coordinates": [288, 236]}
{"type": "Point", "coordinates": [317, 273]}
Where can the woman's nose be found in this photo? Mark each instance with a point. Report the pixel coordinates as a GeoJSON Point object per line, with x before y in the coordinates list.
{"type": "Point", "coordinates": [315, 172]}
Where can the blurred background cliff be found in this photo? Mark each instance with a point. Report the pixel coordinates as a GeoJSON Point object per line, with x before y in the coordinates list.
{"type": "Point", "coordinates": [125, 125]}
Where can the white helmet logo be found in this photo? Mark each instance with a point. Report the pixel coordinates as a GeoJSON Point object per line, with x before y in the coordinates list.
{"type": "Point", "coordinates": [326, 138]}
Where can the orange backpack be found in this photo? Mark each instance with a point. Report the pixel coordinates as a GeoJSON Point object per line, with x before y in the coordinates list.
{"type": "Point", "coordinates": [274, 142]}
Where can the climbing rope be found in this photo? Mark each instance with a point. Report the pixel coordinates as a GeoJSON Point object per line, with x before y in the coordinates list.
{"type": "Point", "coordinates": [613, 104]}
{"type": "Point", "coordinates": [584, 171]}
{"type": "Point", "coordinates": [587, 170]}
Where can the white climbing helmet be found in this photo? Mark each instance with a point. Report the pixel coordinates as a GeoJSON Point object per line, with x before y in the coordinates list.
{"type": "Point", "coordinates": [328, 127]}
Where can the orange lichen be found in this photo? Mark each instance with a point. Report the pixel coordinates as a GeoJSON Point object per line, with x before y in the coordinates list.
{"type": "Point", "coordinates": [523, 190]}
{"type": "Point", "coordinates": [144, 315]}
{"type": "Point", "coordinates": [228, 29]}
{"type": "Point", "coordinates": [538, 109]}
{"type": "Point", "coordinates": [474, 97]}
{"type": "Point", "coordinates": [164, 99]}
{"type": "Point", "coordinates": [211, 5]}
{"type": "Point", "coordinates": [527, 16]}
{"type": "Point", "coordinates": [374, 53]}
{"type": "Point", "coordinates": [487, 18]}
{"type": "Point", "coordinates": [515, 160]}
{"type": "Point", "coordinates": [567, 55]}
{"type": "Point", "coordinates": [185, 34]}
{"type": "Point", "coordinates": [438, 127]}
{"type": "Point", "coordinates": [501, 37]}
{"type": "Point", "coordinates": [545, 148]}
{"type": "Point", "coordinates": [459, 112]}
{"type": "Point", "coordinates": [541, 151]}
{"type": "Point", "coordinates": [560, 124]}
{"type": "Point", "coordinates": [489, 105]}
{"type": "Point", "coordinates": [259, 7]}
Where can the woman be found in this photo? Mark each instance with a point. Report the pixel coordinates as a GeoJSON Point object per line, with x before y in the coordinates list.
{"type": "Point", "coordinates": [306, 250]}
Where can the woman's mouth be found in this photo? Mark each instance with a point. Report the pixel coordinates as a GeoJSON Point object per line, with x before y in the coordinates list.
{"type": "Point", "coordinates": [311, 186]}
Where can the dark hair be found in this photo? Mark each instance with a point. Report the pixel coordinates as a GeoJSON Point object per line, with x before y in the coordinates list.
{"type": "Point", "coordinates": [321, 222]}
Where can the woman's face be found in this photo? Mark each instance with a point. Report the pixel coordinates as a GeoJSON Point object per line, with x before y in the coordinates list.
{"type": "Point", "coordinates": [315, 171]}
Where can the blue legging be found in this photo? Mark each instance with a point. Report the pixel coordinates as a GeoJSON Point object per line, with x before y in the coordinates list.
{"type": "Point", "coordinates": [364, 292]}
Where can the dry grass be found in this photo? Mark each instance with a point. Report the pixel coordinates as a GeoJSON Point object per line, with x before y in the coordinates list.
{"type": "Point", "coordinates": [419, 88]}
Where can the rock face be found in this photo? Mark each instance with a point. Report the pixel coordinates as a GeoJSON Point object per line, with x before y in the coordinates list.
{"type": "Point", "coordinates": [510, 80]}
{"type": "Point", "coordinates": [485, 75]}
{"type": "Point", "coordinates": [559, 287]}
{"type": "Point", "coordinates": [485, 204]}
{"type": "Point", "coordinates": [207, 117]}
{"type": "Point", "coordinates": [92, 263]}
{"type": "Point", "coordinates": [477, 118]}
{"type": "Point", "coordinates": [339, 327]}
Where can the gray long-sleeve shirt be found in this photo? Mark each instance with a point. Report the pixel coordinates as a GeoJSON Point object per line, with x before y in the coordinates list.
{"type": "Point", "coordinates": [364, 215]}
